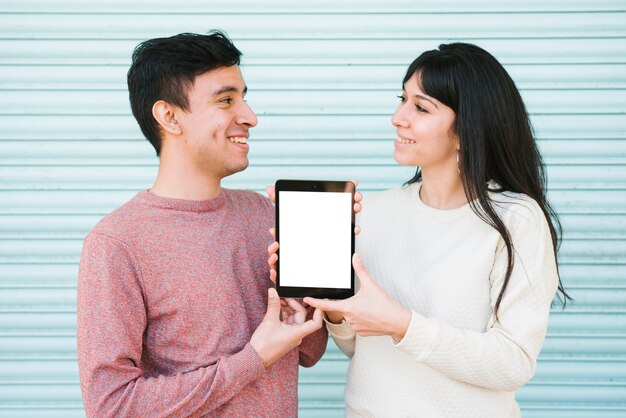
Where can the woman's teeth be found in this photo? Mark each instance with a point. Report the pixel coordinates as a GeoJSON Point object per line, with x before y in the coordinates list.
{"type": "Point", "coordinates": [238, 139]}
{"type": "Point", "coordinates": [405, 141]}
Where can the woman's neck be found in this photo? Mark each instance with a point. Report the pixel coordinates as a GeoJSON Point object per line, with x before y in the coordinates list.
{"type": "Point", "coordinates": [442, 192]}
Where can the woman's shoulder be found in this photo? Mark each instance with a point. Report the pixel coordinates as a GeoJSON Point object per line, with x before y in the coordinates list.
{"type": "Point", "coordinates": [387, 202]}
{"type": "Point", "coordinates": [391, 196]}
{"type": "Point", "coordinates": [517, 207]}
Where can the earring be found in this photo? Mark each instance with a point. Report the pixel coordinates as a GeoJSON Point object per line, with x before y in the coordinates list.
{"type": "Point", "coordinates": [457, 163]}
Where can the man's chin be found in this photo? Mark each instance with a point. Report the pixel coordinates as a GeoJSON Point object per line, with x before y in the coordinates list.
{"type": "Point", "coordinates": [236, 168]}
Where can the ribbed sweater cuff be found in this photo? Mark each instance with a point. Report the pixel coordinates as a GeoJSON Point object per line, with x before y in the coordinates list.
{"type": "Point", "coordinates": [420, 337]}
{"type": "Point", "coordinates": [248, 365]}
{"type": "Point", "coordinates": [342, 331]}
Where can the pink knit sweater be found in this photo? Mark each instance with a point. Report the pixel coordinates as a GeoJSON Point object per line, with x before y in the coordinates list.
{"type": "Point", "coordinates": [169, 294]}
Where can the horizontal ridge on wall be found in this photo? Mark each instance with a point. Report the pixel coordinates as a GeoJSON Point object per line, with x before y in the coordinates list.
{"type": "Point", "coordinates": [48, 153]}
{"type": "Point", "coordinates": [310, 103]}
{"type": "Point", "coordinates": [574, 50]}
{"type": "Point", "coordinates": [61, 345]}
{"type": "Point", "coordinates": [93, 201]}
{"type": "Point", "coordinates": [98, 177]}
{"type": "Point", "coordinates": [301, 26]}
{"type": "Point", "coordinates": [36, 299]}
{"type": "Point", "coordinates": [597, 251]}
{"type": "Point", "coordinates": [319, 77]}
{"type": "Point", "coordinates": [59, 226]}
{"type": "Point", "coordinates": [291, 127]}
{"type": "Point", "coordinates": [318, 7]}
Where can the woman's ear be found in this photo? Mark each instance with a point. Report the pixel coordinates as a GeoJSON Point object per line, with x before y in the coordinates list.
{"type": "Point", "coordinates": [164, 114]}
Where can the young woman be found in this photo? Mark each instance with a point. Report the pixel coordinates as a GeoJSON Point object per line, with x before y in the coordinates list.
{"type": "Point", "coordinates": [453, 308]}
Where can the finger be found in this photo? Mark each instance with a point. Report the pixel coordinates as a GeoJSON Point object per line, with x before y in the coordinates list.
{"type": "Point", "coordinates": [318, 316]}
{"type": "Point", "coordinates": [273, 275]}
{"type": "Point", "coordinates": [271, 193]}
{"type": "Point", "coordinates": [357, 207]}
{"type": "Point", "coordinates": [358, 197]}
{"type": "Point", "coordinates": [324, 304]}
{"type": "Point", "coordinates": [295, 305]}
{"type": "Point", "coordinates": [357, 230]}
{"type": "Point", "coordinates": [287, 315]}
{"type": "Point", "coordinates": [272, 248]}
{"type": "Point", "coordinates": [299, 311]}
{"type": "Point", "coordinates": [359, 269]}
{"type": "Point", "coordinates": [312, 324]}
{"type": "Point", "coordinates": [356, 183]}
{"type": "Point", "coordinates": [273, 232]}
{"type": "Point", "coordinates": [271, 260]}
{"type": "Point", "coordinates": [273, 305]}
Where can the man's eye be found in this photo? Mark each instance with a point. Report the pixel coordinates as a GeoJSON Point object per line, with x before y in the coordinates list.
{"type": "Point", "coordinates": [226, 100]}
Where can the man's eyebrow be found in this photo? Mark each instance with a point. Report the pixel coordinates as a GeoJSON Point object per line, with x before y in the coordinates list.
{"type": "Point", "coordinates": [228, 89]}
{"type": "Point", "coordinates": [419, 96]}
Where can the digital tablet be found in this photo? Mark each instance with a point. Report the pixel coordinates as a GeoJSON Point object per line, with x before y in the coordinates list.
{"type": "Point", "coordinates": [315, 230]}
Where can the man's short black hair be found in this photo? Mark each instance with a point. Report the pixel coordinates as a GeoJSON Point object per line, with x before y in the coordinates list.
{"type": "Point", "coordinates": [166, 68]}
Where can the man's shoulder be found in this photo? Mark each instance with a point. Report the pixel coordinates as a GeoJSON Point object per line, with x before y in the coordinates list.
{"type": "Point", "coordinates": [121, 222]}
{"type": "Point", "coordinates": [249, 198]}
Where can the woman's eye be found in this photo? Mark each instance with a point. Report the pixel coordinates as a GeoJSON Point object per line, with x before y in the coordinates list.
{"type": "Point", "coordinates": [420, 109]}
{"type": "Point", "coordinates": [402, 99]}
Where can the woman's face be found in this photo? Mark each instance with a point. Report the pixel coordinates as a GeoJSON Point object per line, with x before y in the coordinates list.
{"type": "Point", "coordinates": [425, 133]}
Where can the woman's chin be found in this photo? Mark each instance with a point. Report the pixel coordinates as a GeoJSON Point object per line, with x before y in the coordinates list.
{"type": "Point", "coordinates": [404, 159]}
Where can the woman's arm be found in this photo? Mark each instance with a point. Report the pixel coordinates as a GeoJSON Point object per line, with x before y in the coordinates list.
{"type": "Point", "coordinates": [343, 335]}
{"type": "Point", "coordinates": [503, 357]}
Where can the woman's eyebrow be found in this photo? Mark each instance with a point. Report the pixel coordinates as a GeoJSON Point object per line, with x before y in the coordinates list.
{"type": "Point", "coordinates": [419, 96]}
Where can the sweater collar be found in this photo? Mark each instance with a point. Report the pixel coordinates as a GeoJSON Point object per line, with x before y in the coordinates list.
{"type": "Point", "coordinates": [183, 205]}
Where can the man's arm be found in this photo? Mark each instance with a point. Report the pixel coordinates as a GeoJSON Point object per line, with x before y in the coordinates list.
{"type": "Point", "coordinates": [111, 323]}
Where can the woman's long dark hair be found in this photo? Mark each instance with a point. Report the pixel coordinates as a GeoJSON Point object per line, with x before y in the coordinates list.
{"type": "Point", "coordinates": [495, 135]}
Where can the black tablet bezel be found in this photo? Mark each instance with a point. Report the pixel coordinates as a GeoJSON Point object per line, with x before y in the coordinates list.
{"type": "Point", "coordinates": [314, 186]}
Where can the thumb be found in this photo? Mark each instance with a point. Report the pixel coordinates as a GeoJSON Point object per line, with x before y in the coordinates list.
{"type": "Point", "coordinates": [312, 324]}
{"type": "Point", "coordinates": [273, 305]}
{"type": "Point", "coordinates": [360, 270]}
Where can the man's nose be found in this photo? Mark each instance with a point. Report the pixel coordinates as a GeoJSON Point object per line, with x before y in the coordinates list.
{"type": "Point", "coordinates": [247, 116]}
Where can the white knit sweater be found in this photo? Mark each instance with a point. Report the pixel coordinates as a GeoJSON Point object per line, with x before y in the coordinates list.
{"type": "Point", "coordinates": [447, 267]}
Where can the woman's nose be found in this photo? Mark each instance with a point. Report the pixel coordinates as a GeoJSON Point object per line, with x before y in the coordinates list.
{"type": "Point", "coordinates": [398, 119]}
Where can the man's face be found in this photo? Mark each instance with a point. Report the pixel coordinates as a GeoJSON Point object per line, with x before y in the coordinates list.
{"type": "Point", "coordinates": [215, 127]}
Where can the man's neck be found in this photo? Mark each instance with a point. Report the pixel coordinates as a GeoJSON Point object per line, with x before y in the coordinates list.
{"type": "Point", "coordinates": [179, 181]}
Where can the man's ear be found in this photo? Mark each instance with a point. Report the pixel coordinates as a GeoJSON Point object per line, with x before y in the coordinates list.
{"type": "Point", "coordinates": [164, 114]}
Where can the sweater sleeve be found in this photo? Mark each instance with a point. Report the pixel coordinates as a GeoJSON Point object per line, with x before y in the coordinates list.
{"type": "Point", "coordinates": [112, 319]}
{"type": "Point", "coordinates": [343, 335]}
{"type": "Point", "coordinates": [504, 356]}
{"type": "Point", "coordinates": [313, 346]}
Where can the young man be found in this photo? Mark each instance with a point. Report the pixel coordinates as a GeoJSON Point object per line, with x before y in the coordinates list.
{"type": "Point", "coordinates": [173, 315]}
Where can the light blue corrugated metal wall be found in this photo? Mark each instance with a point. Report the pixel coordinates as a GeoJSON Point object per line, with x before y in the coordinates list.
{"type": "Point", "coordinates": [323, 78]}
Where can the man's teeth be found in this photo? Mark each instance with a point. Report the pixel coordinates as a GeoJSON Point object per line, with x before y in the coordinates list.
{"type": "Point", "coordinates": [238, 139]}
{"type": "Point", "coordinates": [405, 141]}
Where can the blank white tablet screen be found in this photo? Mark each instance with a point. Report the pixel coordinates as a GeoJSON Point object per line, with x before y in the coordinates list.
{"type": "Point", "coordinates": [315, 239]}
